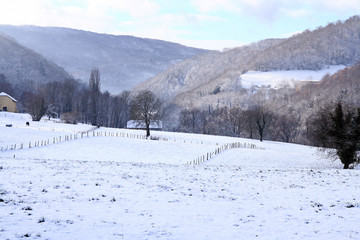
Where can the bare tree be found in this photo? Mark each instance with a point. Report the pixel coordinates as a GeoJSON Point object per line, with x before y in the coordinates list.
{"type": "Point", "coordinates": [263, 118]}
{"type": "Point", "coordinates": [104, 109]}
{"type": "Point", "coordinates": [249, 122]}
{"type": "Point", "coordinates": [146, 108]}
{"type": "Point", "coordinates": [285, 128]}
{"type": "Point", "coordinates": [94, 94]}
{"type": "Point", "coordinates": [235, 120]}
{"type": "Point", "coordinates": [69, 88]}
{"type": "Point", "coordinates": [190, 120]}
{"type": "Point", "coordinates": [124, 108]}
{"type": "Point", "coordinates": [6, 86]}
{"type": "Point", "coordinates": [35, 105]}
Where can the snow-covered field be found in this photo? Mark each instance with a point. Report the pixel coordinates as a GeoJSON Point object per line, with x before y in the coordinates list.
{"type": "Point", "coordinates": [116, 187]}
{"type": "Point", "coordinates": [276, 79]}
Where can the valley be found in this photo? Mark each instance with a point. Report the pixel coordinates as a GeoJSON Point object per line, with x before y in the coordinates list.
{"type": "Point", "coordinates": [113, 127]}
{"type": "Point", "coordinates": [101, 187]}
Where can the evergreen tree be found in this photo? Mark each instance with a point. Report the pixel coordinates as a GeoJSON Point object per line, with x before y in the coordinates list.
{"type": "Point", "coordinates": [338, 129]}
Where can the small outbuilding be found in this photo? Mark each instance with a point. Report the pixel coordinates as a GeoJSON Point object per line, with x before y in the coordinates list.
{"type": "Point", "coordinates": [7, 103]}
{"type": "Point", "coordinates": [140, 125]}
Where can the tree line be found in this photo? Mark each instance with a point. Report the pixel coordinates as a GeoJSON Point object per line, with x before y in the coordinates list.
{"type": "Point", "coordinates": [71, 100]}
{"type": "Point", "coordinates": [335, 126]}
{"type": "Point", "coordinates": [256, 122]}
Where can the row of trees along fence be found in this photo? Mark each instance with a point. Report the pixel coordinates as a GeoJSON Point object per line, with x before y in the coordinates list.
{"type": "Point", "coordinates": [228, 146]}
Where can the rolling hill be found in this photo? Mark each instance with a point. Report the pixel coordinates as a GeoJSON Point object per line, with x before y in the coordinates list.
{"type": "Point", "coordinates": [20, 64]}
{"type": "Point", "coordinates": [116, 187]}
{"type": "Point", "coordinates": [123, 61]}
{"type": "Point", "coordinates": [213, 78]}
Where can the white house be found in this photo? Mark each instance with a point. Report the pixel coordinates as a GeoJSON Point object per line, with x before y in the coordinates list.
{"type": "Point", "coordinates": [137, 124]}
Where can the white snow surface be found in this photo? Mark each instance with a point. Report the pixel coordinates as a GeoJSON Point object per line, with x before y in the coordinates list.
{"type": "Point", "coordinates": [126, 187]}
{"type": "Point", "coordinates": [277, 79]}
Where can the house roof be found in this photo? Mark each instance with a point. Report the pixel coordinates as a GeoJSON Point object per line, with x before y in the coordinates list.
{"type": "Point", "coordinates": [141, 124]}
{"type": "Point", "coordinates": [7, 95]}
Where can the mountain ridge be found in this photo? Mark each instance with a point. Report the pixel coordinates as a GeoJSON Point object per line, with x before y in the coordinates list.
{"type": "Point", "coordinates": [19, 63]}
{"type": "Point", "coordinates": [205, 68]}
{"type": "Point", "coordinates": [122, 60]}
{"type": "Point", "coordinates": [336, 44]}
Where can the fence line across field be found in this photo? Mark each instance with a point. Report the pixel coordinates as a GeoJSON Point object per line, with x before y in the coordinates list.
{"type": "Point", "coordinates": [70, 137]}
{"type": "Point", "coordinates": [228, 146]}
{"type": "Point", "coordinates": [80, 135]}
{"type": "Point", "coordinates": [93, 133]}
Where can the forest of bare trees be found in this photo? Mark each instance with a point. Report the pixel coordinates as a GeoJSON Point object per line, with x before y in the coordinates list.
{"type": "Point", "coordinates": [256, 122]}
{"type": "Point", "coordinates": [283, 114]}
{"type": "Point", "coordinates": [337, 43]}
{"type": "Point", "coordinates": [71, 100]}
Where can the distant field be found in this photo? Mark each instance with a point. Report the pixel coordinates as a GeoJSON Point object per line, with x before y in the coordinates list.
{"type": "Point", "coordinates": [276, 79]}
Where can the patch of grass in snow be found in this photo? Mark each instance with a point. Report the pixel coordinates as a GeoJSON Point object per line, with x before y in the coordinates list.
{"type": "Point", "coordinates": [41, 220]}
{"type": "Point", "coordinates": [352, 205]}
{"type": "Point", "coordinates": [27, 208]}
{"type": "Point", "coordinates": [26, 235]}
{"type": "Point", "coordinates": [3, 192]}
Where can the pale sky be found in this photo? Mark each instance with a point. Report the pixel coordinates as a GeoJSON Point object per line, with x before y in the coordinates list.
{"type": "Point", "coordinates": [210, 24]}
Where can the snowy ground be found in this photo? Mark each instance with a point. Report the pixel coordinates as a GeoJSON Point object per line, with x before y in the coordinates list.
{"type": "Point", "coordinates": [277, 79]}
{"type": "Point", "coordinates": [130, 188]}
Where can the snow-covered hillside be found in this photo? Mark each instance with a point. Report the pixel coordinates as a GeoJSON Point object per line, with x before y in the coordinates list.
{"type": "Point", "coordinates": [213, 80]}
{"type": "Point", "coordinates": [123, 61]}
{"type": "Point", "coordinates": [19, 63]}
{"type": "Point", "coordinates": [276, 79]}
{"type": "Point", "coordinates": [114, 184]}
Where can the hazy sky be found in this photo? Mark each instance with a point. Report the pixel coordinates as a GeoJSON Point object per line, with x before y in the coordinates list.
{"type": "Point", "coordinates": [212, 24]}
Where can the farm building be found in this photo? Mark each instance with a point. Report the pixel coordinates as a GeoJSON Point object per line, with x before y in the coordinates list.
{"type": "Point", "coordinates": [137, 124]}
{"type": "Point", "coordinates": [7, 103]}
